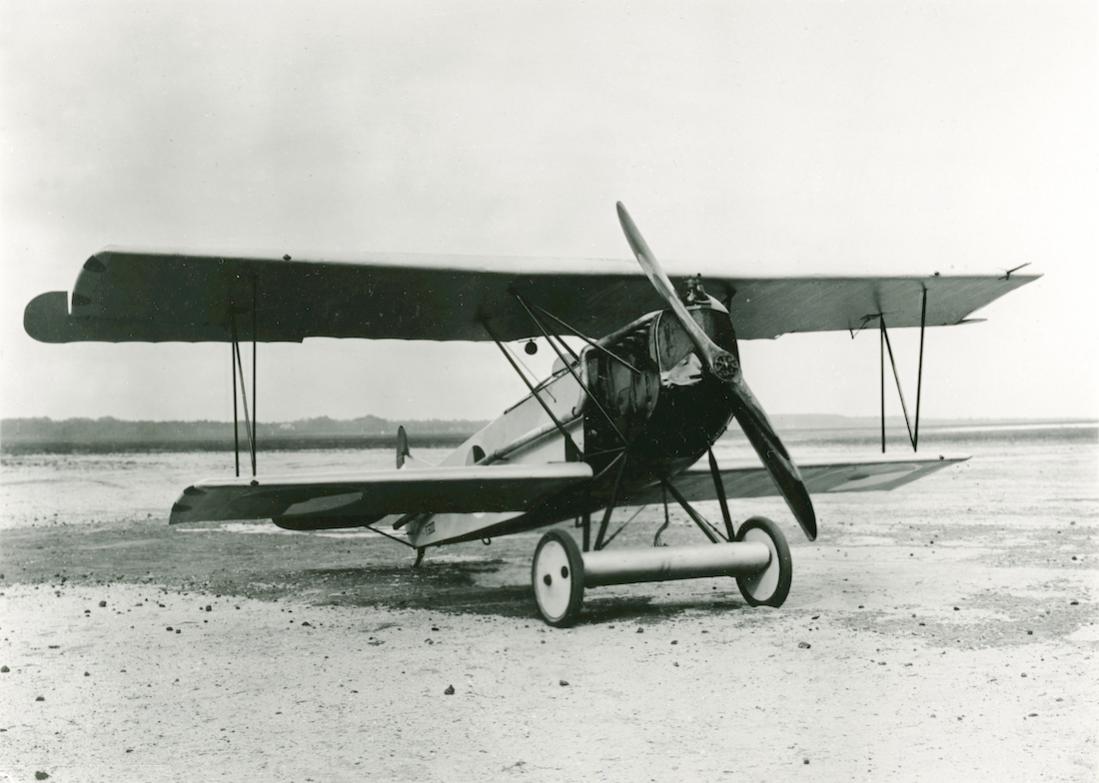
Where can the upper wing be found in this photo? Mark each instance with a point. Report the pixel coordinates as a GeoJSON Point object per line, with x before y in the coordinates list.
{"type": "Point", "coordinates": [149, 296]}
{"type": "Point", "coordinates": [364, 497]}
{"type": "Point", "coordinates": [696, 483]}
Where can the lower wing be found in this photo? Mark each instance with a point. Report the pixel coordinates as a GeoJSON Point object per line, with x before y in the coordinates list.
{"type": "Point", "coordinates": [362, 498]}
{"type": "Point", "coordinates": [697, 483]}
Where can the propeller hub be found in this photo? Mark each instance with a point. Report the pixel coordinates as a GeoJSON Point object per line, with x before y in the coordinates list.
{"type": "Point", "coordinates": [725, 367]}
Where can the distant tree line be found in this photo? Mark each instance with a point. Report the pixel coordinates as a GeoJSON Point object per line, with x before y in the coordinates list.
{"type": "Point", "coordinates": [110, 434]}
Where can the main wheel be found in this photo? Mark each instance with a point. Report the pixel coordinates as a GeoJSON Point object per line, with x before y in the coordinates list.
{"type": "Point", "coordinates": [770, 586]}
{"type": "Point", "coordinates": [557, 575]}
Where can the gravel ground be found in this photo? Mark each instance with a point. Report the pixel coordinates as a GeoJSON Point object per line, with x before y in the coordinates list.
{"type": "Point", "coordinates": [945, 631]}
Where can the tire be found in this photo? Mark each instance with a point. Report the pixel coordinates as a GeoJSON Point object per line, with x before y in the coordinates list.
{"type": "Point", "coordinates": [557, 579]}
{"type": "Point", "coordinates": [770, 586]}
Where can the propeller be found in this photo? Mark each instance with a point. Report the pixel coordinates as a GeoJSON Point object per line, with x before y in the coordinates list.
{"type": "Point", "coordinates": [725, 367]}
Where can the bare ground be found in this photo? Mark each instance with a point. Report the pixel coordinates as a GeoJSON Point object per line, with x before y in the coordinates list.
{"type": "Point", "coordinates": [948, 631]}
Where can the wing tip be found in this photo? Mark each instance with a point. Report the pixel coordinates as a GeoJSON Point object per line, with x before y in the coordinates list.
{"type": "Point", "coordinates": [46, 317]}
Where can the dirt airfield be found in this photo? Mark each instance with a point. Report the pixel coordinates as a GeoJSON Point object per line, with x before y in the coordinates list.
{"type": "Point", "coordinates": [944, 631]}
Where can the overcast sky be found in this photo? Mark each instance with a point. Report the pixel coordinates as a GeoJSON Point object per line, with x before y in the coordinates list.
{"type": "Point", "coordinates": [779, 138]}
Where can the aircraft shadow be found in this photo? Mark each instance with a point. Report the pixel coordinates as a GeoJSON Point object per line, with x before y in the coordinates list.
{"type": "Point", "coordinates": [482, 587]}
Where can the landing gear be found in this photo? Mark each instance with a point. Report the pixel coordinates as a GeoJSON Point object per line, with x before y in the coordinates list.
{"type": "Point", "coordinates": [759, 559]}
{"type": "Point", "coordinates": [557, 574]}
{"type": "Point", "coordinates": [770, 586]}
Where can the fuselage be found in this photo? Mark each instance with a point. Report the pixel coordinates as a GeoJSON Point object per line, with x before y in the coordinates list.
{"type": "Point", "coordinates": [636, 406]}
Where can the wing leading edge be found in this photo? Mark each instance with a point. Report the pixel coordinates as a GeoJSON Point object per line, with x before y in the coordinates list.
{"type": "Point", "coordinates": [149, 296]}
{"type": "Point", "coordinates": [361, 498]}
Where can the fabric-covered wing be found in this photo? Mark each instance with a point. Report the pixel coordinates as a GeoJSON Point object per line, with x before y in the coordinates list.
{"type": "Point", "coordinates": [149, 296]}
{"type": "Point", "coordinates": [696, 483]}
{"type": "Point", "coordinates": [364, 497]}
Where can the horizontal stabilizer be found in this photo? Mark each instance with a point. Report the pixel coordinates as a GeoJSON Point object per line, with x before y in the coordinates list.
{"type": "Point", "coordinates": [412, 462]}
{"type": "Point", "coordinates": [696, 483]}
{"type": "Point", "coordinates": [362, 498]}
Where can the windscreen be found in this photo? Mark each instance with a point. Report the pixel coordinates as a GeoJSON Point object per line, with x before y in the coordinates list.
{"type": "Point", "coordinates": [673, 344]}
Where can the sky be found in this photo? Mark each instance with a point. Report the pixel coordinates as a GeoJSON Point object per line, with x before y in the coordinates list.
{"type": "Point", "coordinates": [771, 137]}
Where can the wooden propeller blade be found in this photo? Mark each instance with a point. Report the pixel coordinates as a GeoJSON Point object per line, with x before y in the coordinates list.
{"type": "Point", "coordinates": [753, 420]}
{"type": "Point", "coordinates": [652, 269]}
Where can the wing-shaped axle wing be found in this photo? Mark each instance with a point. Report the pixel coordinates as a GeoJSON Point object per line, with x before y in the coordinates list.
{"type": "Point", "coordinates": [149, 296]}
{"type": "Point", "coordinates": [362, 498]}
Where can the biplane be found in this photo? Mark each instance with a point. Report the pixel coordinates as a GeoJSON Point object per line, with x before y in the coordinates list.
{"type": "Point", "coordinates": [628, 418]}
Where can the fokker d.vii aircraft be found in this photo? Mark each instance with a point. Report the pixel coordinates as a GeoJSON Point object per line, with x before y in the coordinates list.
{"type": "Point", "coordinates": [620, 422]}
